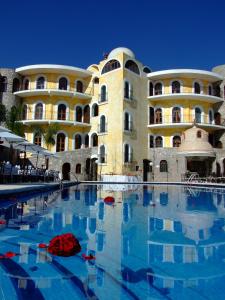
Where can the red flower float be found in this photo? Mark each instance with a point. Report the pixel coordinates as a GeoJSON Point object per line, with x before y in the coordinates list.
{"type": "Point", "coordinates": [88, 257]}
{"type": "Point", "coordinates": [9, 254]}
{"type": "Point", "coordinates": [109, 200]}
{"type": "Point", "coordinates": [64, 245]}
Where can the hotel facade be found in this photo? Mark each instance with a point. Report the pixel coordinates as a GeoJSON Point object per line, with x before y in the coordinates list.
{"type": "Point", "coordinates": [120, 121]}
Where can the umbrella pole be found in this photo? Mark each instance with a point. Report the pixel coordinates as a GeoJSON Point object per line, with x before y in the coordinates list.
{"type": "Point", "coordinates": [37, 159]}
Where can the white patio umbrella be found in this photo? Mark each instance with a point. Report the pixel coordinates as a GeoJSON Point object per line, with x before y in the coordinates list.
{"type": "Point", "coordinates": [2, 129]}
{"type": "Point", "coordinates": [11, 137]}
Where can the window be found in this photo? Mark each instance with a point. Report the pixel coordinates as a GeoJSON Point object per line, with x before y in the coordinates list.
{"type": "Point", "coordinates": [94, 140]}
{"type": "Point", "coordinates": [210, 90]}
{"type": "Point", "coordinates": [86, 118]}
{"type": "Point", "coordinates": [24, 112]}
{"type": "Point", "coordinates": [96, 80]}
{"type": "Point", "coordinates": [61, 112]}
{"type": "Point", "coordinates": [176, 115]}
{"type": "Point", "coordinates": [151, 89]}
{"type": "Point", "coordinates": [86, 141]}
{"type": "Point", "coordinates": [146, 70]}
{"type": "Point", "coordinates": [110, 66]}
{"type": "Point", "coordinates": [176, 141]}
{"type": "Point", "coordinates": [198, 115]}
{"type": "Point", "coordinates": [95, 110]}
{"type": "Point", "coordinates": [102, 156]}
{"type": "Point", "coordinates": [38, 111]}
{"type": "Point", "coordinates": [127, 122]}
{"type": "Point", "coordinates": [126, 90]}
{"type": "Point", "coordinates": [175, 87]}
{"type": "Point", "coordinates": [151, 115]}
{"type": "Point", "coordinates": [199, 134]}
{"type": "Point", "coordinates": [63, 83]}
{"type": "Point", "coordinates": [40, 84]}
{"type": "Point", "coordinates": [102, 124]}
{"type": "Point", "coordinates": [79, 86]}
{"type": "Point", "coordinates": [16, 85]}
{"type": "Point", "coordinates": [26, 84]}
{"type": "Point", "coordinates": [217, 117]}
{"type": "Point", "coordinates": [132, 66]}
{"type": "Point", "coordinates": [60, 142]}
{"type": "Point", "coordinates": [37, 139]}
{"type": "Point", "coordinates": [158, 88]}
{"type": "Point", "coordinates": [151, 141]}
{"type": "Point", "coordinates": [158, 116]}
{"type": "Point", "coordinates": [126, 153]}
{"type": "Point", "coordinates": [78, 141]}
{"type": "Point", "coordinates": [158, 142]}
{"type": "Point", "coordinates": [210, 116]}
{"type": "Point", "coordinates": [163, 166]}
{"type": "Point", "coordinates": [78, 169]}
{"type": "Point", "coordinates": [78, 114]}
{"type": "Point", "coordinates": [197, 88]}
{"type": "Point", "coordinates": [103, 96]}
{"type": "Point", "coordinates": [3, 84]}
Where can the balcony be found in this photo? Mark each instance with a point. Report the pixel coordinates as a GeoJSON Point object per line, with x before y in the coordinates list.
{"type": "Point", "coordinates": [170, 121]}
{"type": "Point", "coordinates": [186, 96]}
{"type": "Point", "coordinates": [86, 93]}
{"type": "Point", "coordinates": [48, 117]}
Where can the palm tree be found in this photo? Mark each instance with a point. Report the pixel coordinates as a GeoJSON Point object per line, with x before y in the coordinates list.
{"type": "Point", "coordinates": [50, 134]}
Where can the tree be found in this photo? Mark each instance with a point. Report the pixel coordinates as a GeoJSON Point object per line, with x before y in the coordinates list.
{"type": "Point", "coordinates": [2, 113]}
{"type": "Point", "coordinates": [50, 133]}
{"type": "Point", "coordinates": [12, 118]}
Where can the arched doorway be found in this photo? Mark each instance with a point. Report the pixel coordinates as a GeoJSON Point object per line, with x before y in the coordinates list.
{"type": "Point", "coordinates": [146, 169]}
{"type": "Point", "coordinates": [93, 169]}
{"type": "Point", "coordinates": [218, 170]}
{"type": "Point", "coordinates": [66, 171]}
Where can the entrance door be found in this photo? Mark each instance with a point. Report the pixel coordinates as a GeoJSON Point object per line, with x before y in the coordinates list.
{"type": "Point", "coordinates": [145, 169]}
{"type": "Point", "coordinates": [66, 171]}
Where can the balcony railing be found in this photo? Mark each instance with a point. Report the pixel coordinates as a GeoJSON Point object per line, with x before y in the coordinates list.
{"type": "Point", "coordinates": [55, 116]}
{"type": "Point", "coordinates": [177, 92]}
{"type": "Point", "coordinates": [86, 91]}
{"type": "Point", "coordinates": [185, 119]}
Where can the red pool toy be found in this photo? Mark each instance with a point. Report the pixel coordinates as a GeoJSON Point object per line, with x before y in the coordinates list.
{"type": "Point", "coordinates": [64, 245]}
{"type": "Point", "coordinates": [109, 200]}
{"type": "Point", "coordinates": [88, 257]}
{"type": "Point", "coordinates": [2, 222]}
{"type": "Point", "coordinates": [9, 254]}
{"type": "Point", "coordinates": [42, 246]}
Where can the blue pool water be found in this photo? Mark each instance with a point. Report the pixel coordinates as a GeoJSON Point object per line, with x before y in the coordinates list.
{"type": "Point", "coordinates": [155, 242]}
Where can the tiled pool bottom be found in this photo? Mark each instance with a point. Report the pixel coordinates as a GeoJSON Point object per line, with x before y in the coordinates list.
{"type": "Point", "coordinates": [156, 242]}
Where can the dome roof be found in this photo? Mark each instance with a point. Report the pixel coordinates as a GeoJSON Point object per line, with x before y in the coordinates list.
{"type": "Point", "coordinates": [195, 143]}
{"type": "Point", "coordinates": [116, 51]}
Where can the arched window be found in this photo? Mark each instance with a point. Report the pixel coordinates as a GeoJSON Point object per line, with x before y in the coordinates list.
{"type": "Point", "coordinates": [158, 88]}
{"type": "Point", "coordinates": [199, 134]}
{"type": "Point", "coordinates": [210, 116]}
{"type": "Point", "coordinates": [197, 88]}
{"type": "Point", "coordinates": [210, 90]}
{"type": "Point", "coordinates": [96, 80]}
{"type": "Point", "coordinates": [175, 87]}
{"type": "Point", "coordinates": [26, 84]}
{"type": "Point", "coordinates": [127, 121]}
{"type": "Point", "coordinates": [126, 90]}
{"type": "Point", "coordinates": [132, 66]}
{"type": "Point", "coordinates": [151, 115]}
{"type": "Point", "coordinates": [111, 65]}
{"type": "Point", "coordinates": [16, 85]}
{"type": "Point", "coordinates": [159, 142]}
{"type": "Point", "coordinates": [176, 141]}
{"type": "Point", "coordinates": [127, 153]}
{"type": "Point", "coordinates": [151, 89]}
{"type": "Point", "coordinates": [79, 86]}
{"type": "Point", "coordinates": [163, 166]}
{"type": "Point", "coordinates": [24, 112]}
{"type": "Point", "coordinates": [217, 117]}
{"type": "Point", "coordinates": [86, 118]}
{"type": "Point", "coordinates": [95, 110]}
{"type": "Point", "coordinates": [63, 83]}
{"type": "Point", "coordinates": [78, 114]}
{"type": "Point", "coordinates": [38, 111]}
{"type": "Point", "coordinates": [103, 96]}
{"type": "Point", "coordinates": [40, 84]}
{"type": "Point", "coordinates": [151, 141]}
{"type": "Point", "coordinates": [3, 84]}
{"type": "Point", "coordinates": [198, 115]}
{"type": "Point", "coordinates": [102, 124]}
{"type": "Point", "coordinates": [146, 70]}
{"type": "Point", "coordinates": [37, 139]}
{"type": "Point", "coordinates": [60, 142]}
{"type": "Point", "coordinates": [176, 114]}
{"type": "Point", "coordinates": [102, 155]}
{"type": "Point", "coordinates": [86, 141]}
{"type": "Point", "coordinates": [78, 141]}
{"type": "Point", "coordinates": [158, 116]}
{"type": "Point", "coordinates": [94, 140]}
{"type": "Point", "coordinates": [61, 112]}
{"type": "Point", "coordinates": [78, 168]}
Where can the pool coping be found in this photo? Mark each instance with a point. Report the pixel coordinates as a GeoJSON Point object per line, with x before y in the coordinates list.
{"type": "Point", "coordinates": [12, 189]}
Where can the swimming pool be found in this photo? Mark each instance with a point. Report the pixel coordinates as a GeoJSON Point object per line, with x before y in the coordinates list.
{"type": "Point", "coordinates": [155, 242]}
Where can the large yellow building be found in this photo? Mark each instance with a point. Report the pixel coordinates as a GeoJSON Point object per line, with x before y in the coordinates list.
{"type": "Point", "coordinates": [119, 120]}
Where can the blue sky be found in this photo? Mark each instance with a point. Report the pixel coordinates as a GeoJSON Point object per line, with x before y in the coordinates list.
{"type": "Point", "coordinates": [163, 34]}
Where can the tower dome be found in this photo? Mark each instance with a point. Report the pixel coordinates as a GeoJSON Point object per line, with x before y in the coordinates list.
{"type": "Point", "coordinates": [116, 51]}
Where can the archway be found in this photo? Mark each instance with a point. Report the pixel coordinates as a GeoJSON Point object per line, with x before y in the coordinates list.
{"type": "Point", "coordinates": [66, 171]}
{"type": "Point", "coordinates": [146, 169]}
{"type": "Point", "coordinates": [218, 170]}
{"type": "Point", "coordinates": [93, 169]}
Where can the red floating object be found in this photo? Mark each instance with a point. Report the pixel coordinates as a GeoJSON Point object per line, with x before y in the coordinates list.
{"type": "Point", "coordinates": [109, 200]}
{"type": "Point", "coordinates": [42, 246]}
{"type": "Point", "coordinates": [2, 222]}
{"type": "Point", "coordinates": [88, 257]}
{"type": "Point", "coordinates": [10, 254]}
{"type": "Point", "coordinates": [64, 245]}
